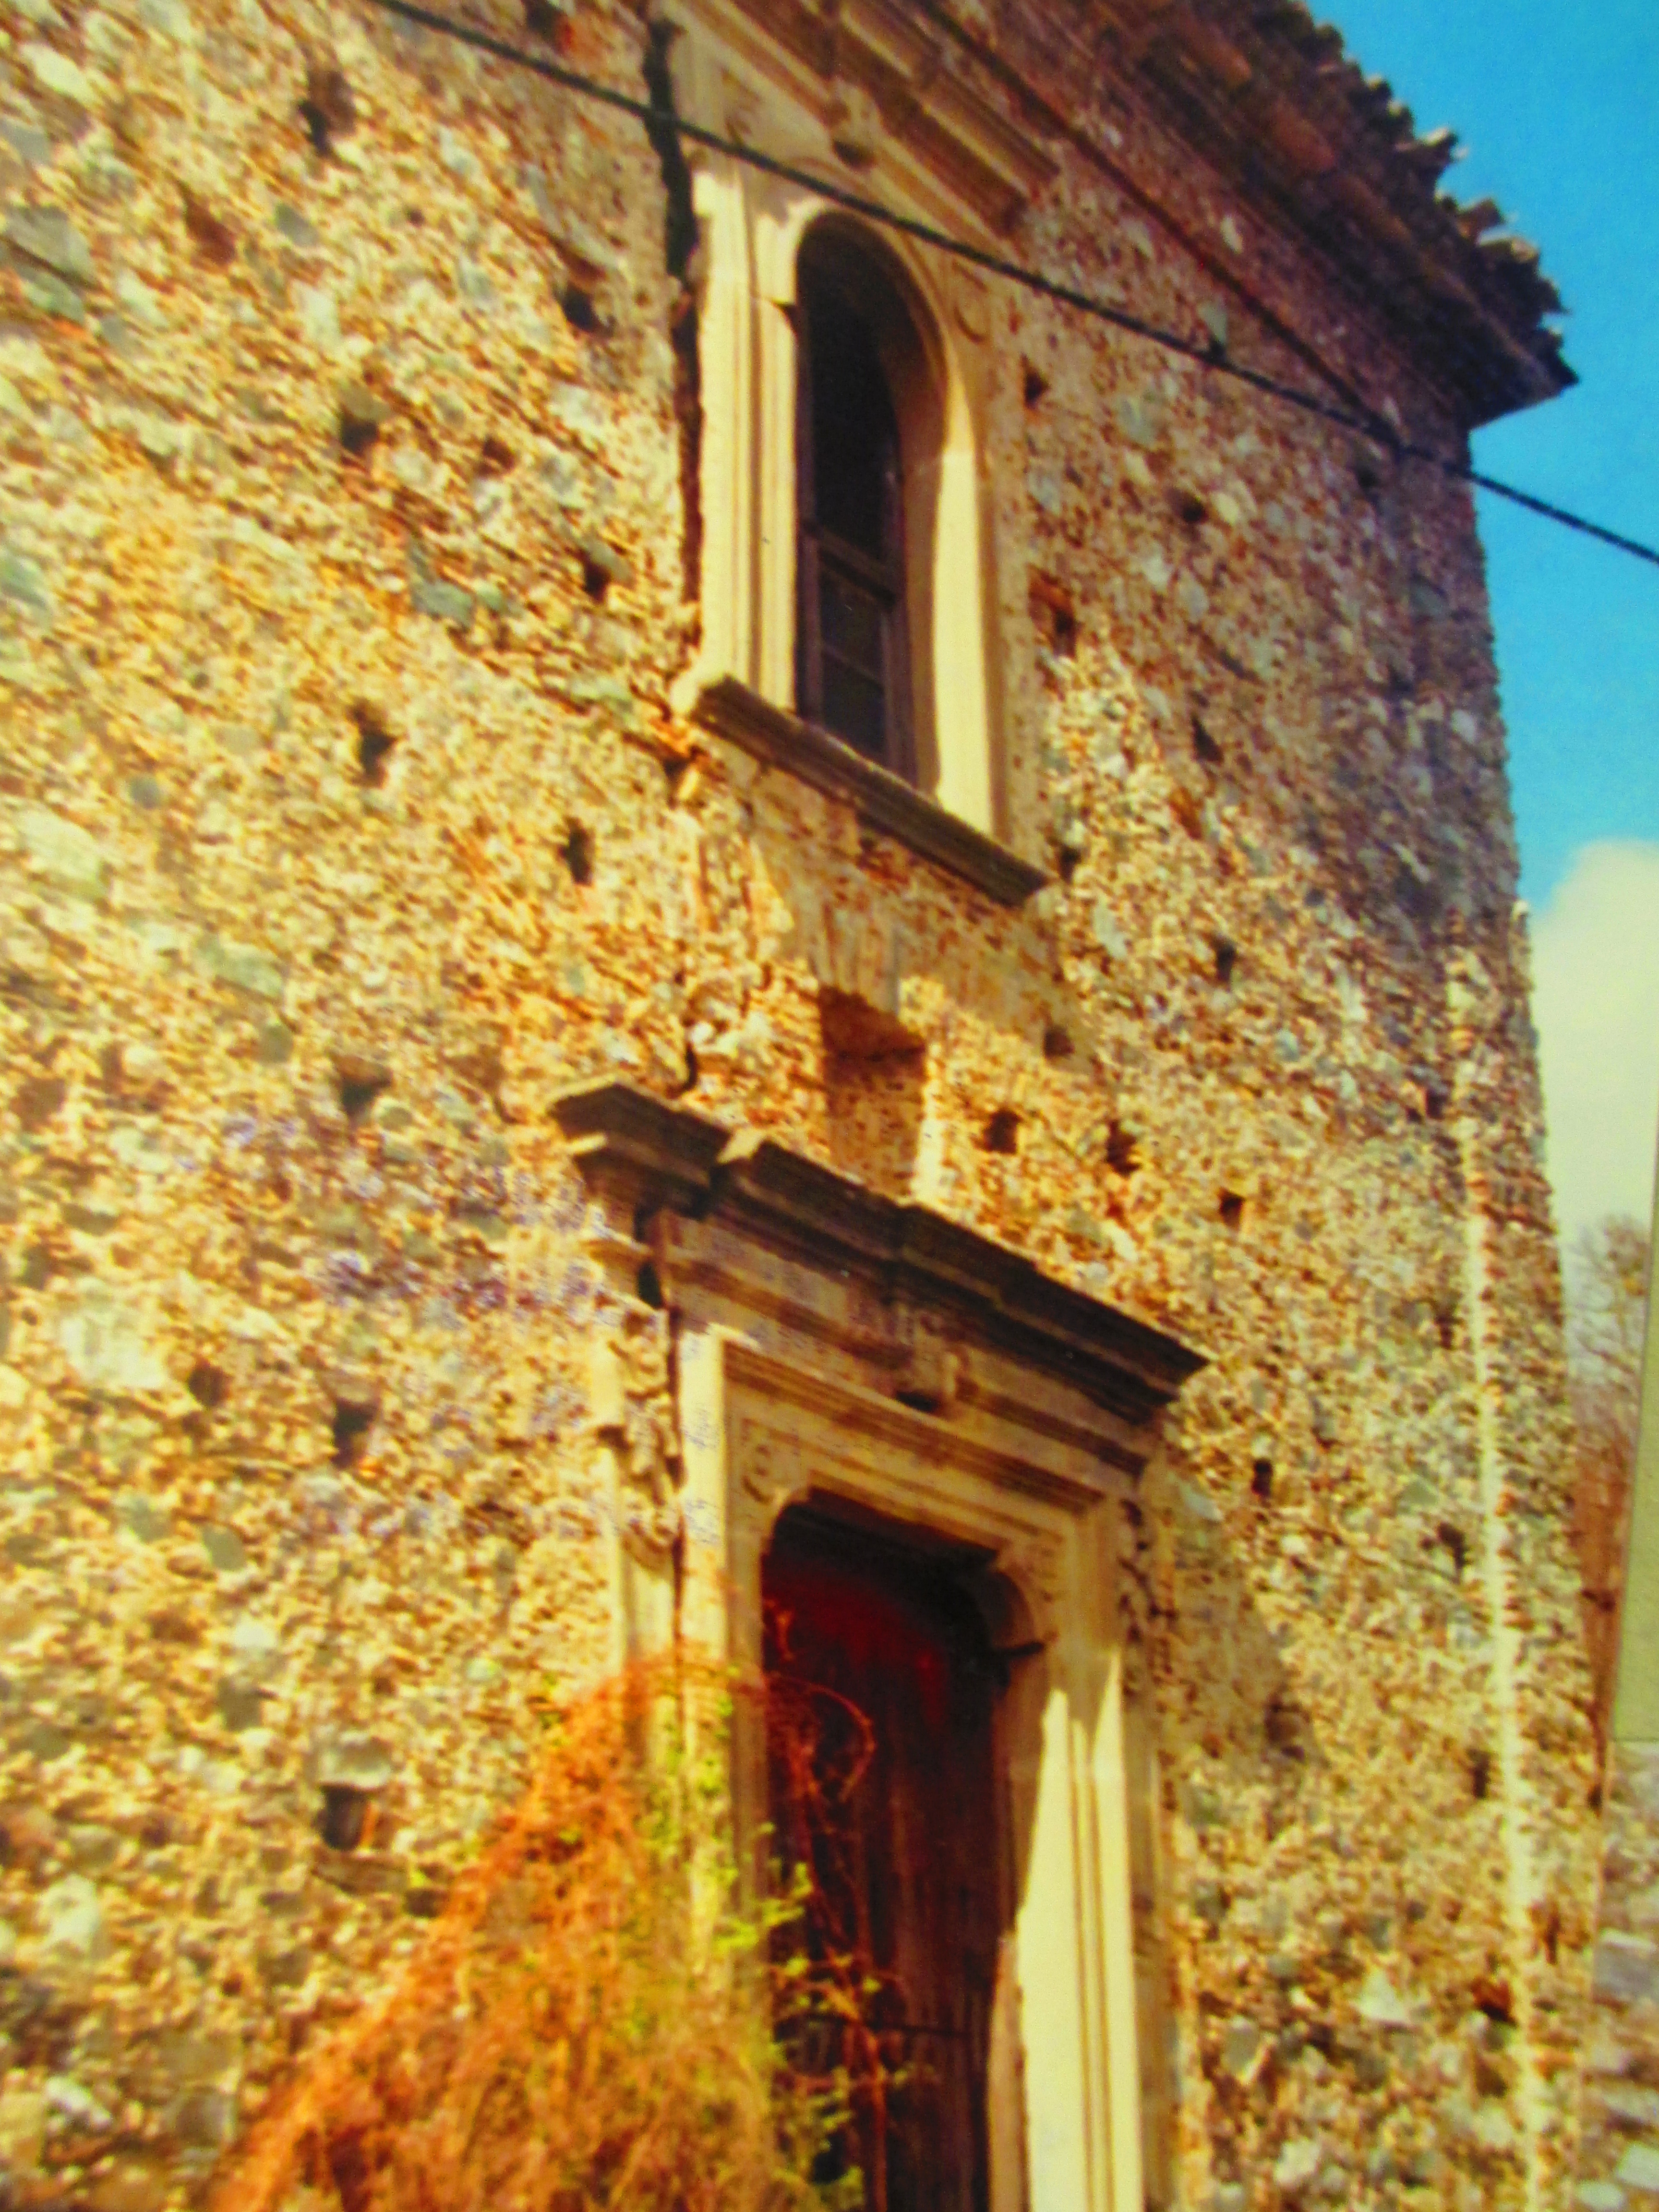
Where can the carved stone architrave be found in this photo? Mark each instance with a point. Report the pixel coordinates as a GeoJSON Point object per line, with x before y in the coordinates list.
{"type": "Point", "coordinates": [879, 64]}
{"type": "Point", "coordinates": [794, 1434]}
{"type": "Point", "coordinates": [894, 1370]}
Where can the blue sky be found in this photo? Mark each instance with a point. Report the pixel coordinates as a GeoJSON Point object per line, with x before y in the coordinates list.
{"type": "Point", "coordinates": [1558, 107]}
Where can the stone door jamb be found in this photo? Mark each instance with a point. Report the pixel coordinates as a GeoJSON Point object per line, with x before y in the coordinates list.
{"type": "Point", "coordinates": [761, 1433]}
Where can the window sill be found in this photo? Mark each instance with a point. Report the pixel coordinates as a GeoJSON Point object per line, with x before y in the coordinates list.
{"type": "Point", "coordinates": [884, 802]}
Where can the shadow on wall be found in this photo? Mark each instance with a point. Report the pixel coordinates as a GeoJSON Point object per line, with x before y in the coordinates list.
{"type": "Point", "coordinates": [1219, 1745]}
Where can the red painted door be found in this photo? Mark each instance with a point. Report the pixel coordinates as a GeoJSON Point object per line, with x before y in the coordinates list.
{"type": "Point", "coordinates": [881, 1689]}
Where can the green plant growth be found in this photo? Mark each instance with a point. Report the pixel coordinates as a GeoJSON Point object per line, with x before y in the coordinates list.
{"type": "Point", "coordinates": [595, 2019]}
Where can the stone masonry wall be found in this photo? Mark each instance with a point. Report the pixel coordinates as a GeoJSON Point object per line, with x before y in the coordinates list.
{"type": "Point", "coordinates": [345, 820]}
{"type": "Point", "coordinates": [1618, 2160]}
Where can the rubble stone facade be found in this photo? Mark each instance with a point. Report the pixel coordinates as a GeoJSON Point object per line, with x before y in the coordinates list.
{"type": "Point", "coordinates": [1619, 2143]}
{"type": "Point", "coordinates": [1619, 2150]}
{"type": "Point", "coordinates": [372, 785]}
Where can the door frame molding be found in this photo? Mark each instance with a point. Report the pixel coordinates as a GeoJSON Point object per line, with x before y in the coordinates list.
{"type": "Point", "coordinates": [822, 1340]}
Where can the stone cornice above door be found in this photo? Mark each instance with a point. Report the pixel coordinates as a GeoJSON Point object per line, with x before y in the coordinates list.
{"type": "Point", "coordinates": [929, 1288]}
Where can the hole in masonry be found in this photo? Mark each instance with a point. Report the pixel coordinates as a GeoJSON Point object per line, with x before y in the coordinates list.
{"type": "Point", "coordinates": [1261, 1479]}
{"type": "Point", "coordinates": [1551, 1932]}
{"type": "Point", "coordinates": [1057, 1042]}
{"type": "Point", "coordinates": [648, 1285]}
{"type": "Point", "coordinates": [1001, 1133]}
{"type": "Point", "coordinates": [1367, 473]}
{"type": "Point", "coordinates": [542, 20]}
{"type": "Point", "coordinates": [209, 1385]}
{"type": "Point", "coordinates": [361, 417]}
{"type": "Point", "coordinates": [344, 1816]}
{"type": "Point", "coordinates": [375, 745]}
{"type": "Point", "coordinates": [1491, 1995]}
{"type": "Point", "coordinates": [577, 853]}
{"type": "Point", "coordinates": [1188, 506]}
{"type": "Point", "coordinates": [1285, 1725]}
{"type": "Point", "coordinates": [579, 310]}
{"type": "Point", "coordinates": [1073, 838]}
{"type": "Point", "coordinates": [853, 1030]}
{"type": "Point", "coordinates": [1068, 862]}
{"type": "Point", "coordinates": [596, 578]}
{"type": "Point", "coordinates": [1231, 1210]}
{"type": "Point", "coordinates": [1434, 1101]}
{"type": "Point", "coordinates": [1055, 616]}
{"type": "Point", "coordinates": [358, 1082]}
{"type": "Point", "coordinates": [1227, 959]}
{"type": "Point", "coordinates": [1205, 746]}
{"type": "Point", "coordinates": [214, 240]}
{"type": "Point", "coordinates": [1479, 1779]}
{"type": "Point", "coordinates": [1123, 1150]}
{"type": "Point", "coordinates": [1037, 385]}
{"type": "Point", "coordinates": [496, 457]}
{"type": "Point", "coordinates": [353, 1419]}
{"type": "Point", "coordinates": [1452, 1540]}
{"type": "Point", "coordinates": [328, 110]}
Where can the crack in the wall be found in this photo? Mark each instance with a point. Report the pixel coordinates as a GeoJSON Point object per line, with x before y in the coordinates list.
{"type": "Point", "coordinates": [681, 235]}
{"type": "Point", "coordinates": [688, 416]}
{"type": "Point", "coordinates": [679, 215]}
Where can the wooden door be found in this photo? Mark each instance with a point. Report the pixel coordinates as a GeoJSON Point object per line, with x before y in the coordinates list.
{"type": "Point", "coordinates": [883, 1688]}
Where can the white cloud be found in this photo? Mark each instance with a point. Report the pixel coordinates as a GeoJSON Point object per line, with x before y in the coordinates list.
{"type": "Point", "coordinates": [1595, 1003]}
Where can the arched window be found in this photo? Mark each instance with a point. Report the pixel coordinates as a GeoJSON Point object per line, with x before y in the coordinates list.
{"type": "Point", "coordinates": [868, 421]}
{"type": "Point", "coordinates": [847, 571]}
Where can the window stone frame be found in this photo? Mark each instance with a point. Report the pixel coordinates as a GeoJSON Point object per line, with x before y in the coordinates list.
{"type": "Point", "coordinates": [931, 151]}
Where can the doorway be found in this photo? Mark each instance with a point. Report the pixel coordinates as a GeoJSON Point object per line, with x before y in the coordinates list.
{"type": "Point", "coordinates": [883, 1780]}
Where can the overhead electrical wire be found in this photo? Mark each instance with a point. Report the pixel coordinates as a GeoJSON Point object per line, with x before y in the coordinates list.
{"type": "Point", "coordinates": [657, 118]}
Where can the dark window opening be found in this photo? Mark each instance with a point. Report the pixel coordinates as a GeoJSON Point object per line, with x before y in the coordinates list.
{"type": "Point", "coordinates": [853, 660]}
{"type": "Point", "coordinates": [883, 1688]}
